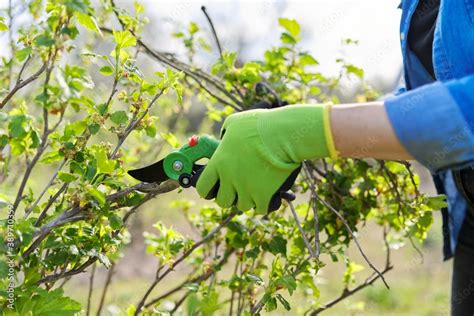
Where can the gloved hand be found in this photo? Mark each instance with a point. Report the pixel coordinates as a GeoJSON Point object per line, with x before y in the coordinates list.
{"type": "Point", "coordinates": [260, 149]}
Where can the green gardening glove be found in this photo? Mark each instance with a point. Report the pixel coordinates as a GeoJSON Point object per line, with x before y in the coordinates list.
{"type": "Point", "coordinates": [260, 149]}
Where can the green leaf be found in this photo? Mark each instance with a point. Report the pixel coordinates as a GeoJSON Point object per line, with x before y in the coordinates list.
{"type": "Point", "coordinates": [288, 281]}
{"type": "Point", "coordinates": [436, 202]}
{"type": "Point", "coordinates": [270, 303]}
{"type": "Point", "coordinates": [210, 304]}
{"type": "Point", "coordinates": [106, 71]}
{"type": "Point", "coordinates": [287, 39]}
{"type": "Point", "coordinates": [193, 28]}
{"type": "Point", "coordinates": [17, 126]}
{"type": "Point", "coordinates": [351, 69]}
{"type": "Point", "coordinates": [119, 117]}
{"type": "Point", "coordinates": [138, 7]}
{"type": "Point", "coordinates": [103, 163]}
{"type": "Point", "coordinates": [193, 287]}
{"type": "Point", "coordinates": [39, 302]}
{"type": "Point", "coordinates": [44, 40]}
{"type": "Point", "coordinates": [23, 53]}
{"type": "Point", "coordinates": [51, 156]}
{"type": "Point", "coordinates": [97, 195]}
{"type": "Point", "coordinates": [352, 268]}
{"type": "Point", "coordinates": [307, 59]}
{"type": "Point", "coordinates": [94, 128]}
{"type": "Point", "coordinates": [66, 176]}
{"type": "Point", "coordinates": [88, 22]}
{"type": "Point", "coordinates": [151, 130]}
{"type": "Point", "coordinates": [192, 304]}
{"type": "Point", "coordinates": [171, 139]}
{"type": "Point", "coordinates": [74, 129]}
{"type": "Point", "coordinates": [76, 5]}
{"type": "Point", "coordinates": [291, 26]}
{"type": "Point", "coordinates": [35, 138]}
{"type": "Point", "coordinates": [124, 39]}
{"type": "Point", "coordinates": [277, 245]}
{"type": "Point", "coordinates": [178, 34]}
{"type": "Point", "coordinates": [115, 221]}
{"type": "Point", "coordinates": [3, 26]}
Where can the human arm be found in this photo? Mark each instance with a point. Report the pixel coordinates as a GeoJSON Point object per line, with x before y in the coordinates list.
{"type": "Point", "coordinates": [363, 130]}
{"type": "Point", "coordinates": [432, 124]}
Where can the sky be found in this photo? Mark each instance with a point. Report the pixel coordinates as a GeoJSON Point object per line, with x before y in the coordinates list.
{"type": "Point", "coordinates": [253, 26]}
{"type": "Point", "coordinates": [324, 23]}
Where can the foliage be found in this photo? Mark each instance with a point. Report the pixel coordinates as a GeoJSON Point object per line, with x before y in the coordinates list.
{"type": "Point", "coordinates": [74, 120]}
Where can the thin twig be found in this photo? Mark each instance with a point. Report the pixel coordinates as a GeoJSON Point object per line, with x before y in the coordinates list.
{"type": "Point", "coordinates": [198, 279]}
{"type": "Point", "coordinates": [106, 287]}
{"type": "Point", "coordinates": [47, 186]}
{"type": "Point", "coordinates": [197, 75]}
{"type": "Point", "coordinates": [348, 228]}
{"type": "Point", "coordinates": [314, 207]}
{"type": "Point", "coordinates": [214, 33]}
{"type": "Point", "coordinates": [303, 234]}
{"type": "Point", "coordinates": [22, 84]}
{"type": "Point", "coordinates": [91, 288]}
{"type": "Point", "coordinates": [258, 307]}
{"type": "Point", "coordinates": [186, 254]}
{"type": "Point", "coordinates": [133, 124]}
{"type": "Point", "coordinates": [351, 292]}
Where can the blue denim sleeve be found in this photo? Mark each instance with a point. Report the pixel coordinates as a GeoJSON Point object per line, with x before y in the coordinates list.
{"type": "Point", "coordinates": [435, 123]}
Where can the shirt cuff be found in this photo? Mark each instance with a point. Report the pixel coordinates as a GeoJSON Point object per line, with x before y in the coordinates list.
{"type": "Point", "coordinates": [429, 124]}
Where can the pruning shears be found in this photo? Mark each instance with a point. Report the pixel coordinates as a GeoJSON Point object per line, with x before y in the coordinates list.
{"type": "Point", "coordinates": [180, 165]}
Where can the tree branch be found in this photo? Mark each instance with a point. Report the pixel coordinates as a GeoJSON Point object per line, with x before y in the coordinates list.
{"type": "Point", "coordinates": [106, 287]}
{"type": "Point", "coordinates": [91, 287]}
{"type": "Point", "coordinates": [198, 279]}
{"type": "Point", "coordinates": [21, 84]}
{"type": "Point", "coordinates": [160, 277]}
{"type": "Point", "coordinates": [346, 293]}
{"type": "Point", "coordinates": [354, 237]}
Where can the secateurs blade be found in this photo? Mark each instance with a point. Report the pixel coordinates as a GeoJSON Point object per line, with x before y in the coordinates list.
{"type": "Point", "coordinates": [181, 164]}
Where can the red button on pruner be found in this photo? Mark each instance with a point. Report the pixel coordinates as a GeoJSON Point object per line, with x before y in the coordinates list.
{"type": "Point", "coordinates": [193, 140]}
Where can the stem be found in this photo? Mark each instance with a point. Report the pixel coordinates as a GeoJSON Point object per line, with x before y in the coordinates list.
{"type": "Point", "coordinates": [91, 288]}
{"type": "Point", "coordinates": [21, 84]}
{"type": "Point", "coordinates": [314, 207]}
{"type": "Point", "coordinates": [300, 228]}
{"type": "Point", "coordinates": [214, 33]}
{"type": "Point", "coordinates": [343, 220]}
{"type": "Point", "coordinates": [201, 278]}
{"type": "Point", "coordinates": [133, 124]}
{"type": "Point", "coordinates": [186, 254]}
{"type": "Point", "coordinates": [50, 182]}
{"type": "Point", "coordinates": [346, 293]}
{"type": "Point", "coordinates": [106, 287]}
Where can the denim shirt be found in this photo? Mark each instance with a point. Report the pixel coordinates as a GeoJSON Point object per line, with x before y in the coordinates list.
{"type": "Point", "coordinates": [434, 121]}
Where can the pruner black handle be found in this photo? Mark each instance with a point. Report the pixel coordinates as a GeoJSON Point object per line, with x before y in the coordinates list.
{"type": "Point", "coordinates": [275, 202]}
